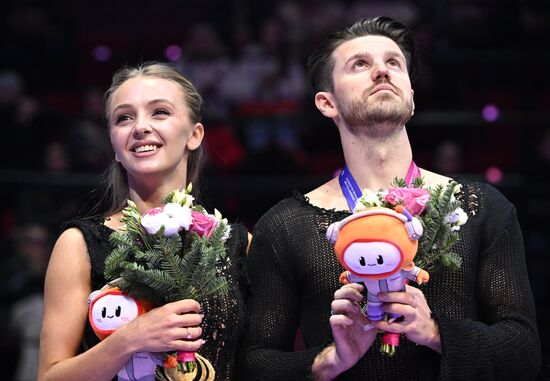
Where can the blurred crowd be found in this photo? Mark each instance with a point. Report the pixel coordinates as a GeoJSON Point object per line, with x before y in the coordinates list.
{"type": "Point", "coordinates": [480, 100]}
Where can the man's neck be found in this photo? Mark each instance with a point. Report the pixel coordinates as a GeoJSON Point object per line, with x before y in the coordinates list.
{"type": "Point", "coordinates": [375, 161]}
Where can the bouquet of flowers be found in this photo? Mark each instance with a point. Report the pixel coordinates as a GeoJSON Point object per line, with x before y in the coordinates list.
{"type": "Point", "coordinates": [168, 254]}
{"type": "Point", "coordinates": [437, 208]}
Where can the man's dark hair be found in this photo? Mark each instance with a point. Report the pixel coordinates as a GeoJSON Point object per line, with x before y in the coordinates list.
{"type": "Point", "coordinates": [321, 64]}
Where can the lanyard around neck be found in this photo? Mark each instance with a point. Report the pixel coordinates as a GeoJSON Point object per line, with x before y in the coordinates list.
{"type": "Point", "coordinates": [351, 189]}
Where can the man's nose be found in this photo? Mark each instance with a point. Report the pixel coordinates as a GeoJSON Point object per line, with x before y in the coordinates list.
{"type": "Point", "coordinates": [380, 72]}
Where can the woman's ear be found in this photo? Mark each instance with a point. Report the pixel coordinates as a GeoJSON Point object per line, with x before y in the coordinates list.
{"type": "Point", "coordinates": [412, 100]}
{"type": "Point", "coordinates": [326, 104]}
{"type": "Point", "coordinates": [195, 139]}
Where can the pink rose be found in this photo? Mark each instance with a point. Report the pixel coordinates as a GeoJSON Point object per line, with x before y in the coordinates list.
{"type": "Point", "coordinates": [392, 198]}
{"type": "Point", "coordinates": [202, 224]}
{"type": "Point", "coordinates": [413, 199]}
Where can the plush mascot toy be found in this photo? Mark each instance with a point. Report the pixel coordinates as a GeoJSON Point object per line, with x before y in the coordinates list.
{"type": "Point", "coordinates": [109, 309]}
{"type": "Point", "coordinates": [376, 246]}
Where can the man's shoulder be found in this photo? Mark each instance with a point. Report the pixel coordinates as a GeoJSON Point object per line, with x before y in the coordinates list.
{"type": "Point", "coordinates": [328, 196]}
{"type": "Point", "coordinates": [285, 208]}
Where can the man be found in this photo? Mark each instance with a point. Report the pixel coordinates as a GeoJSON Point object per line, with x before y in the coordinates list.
{"type": "Point", "coordinates": [474, 323]}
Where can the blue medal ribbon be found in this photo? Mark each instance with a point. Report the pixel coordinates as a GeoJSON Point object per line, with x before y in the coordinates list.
{"type": "Point", "coordinates": [351, 189]}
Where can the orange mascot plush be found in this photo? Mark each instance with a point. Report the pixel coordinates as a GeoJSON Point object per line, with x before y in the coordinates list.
{"type": "Point", "coordinates": [108, 310]}
{"type": "Point", "coordinates": [376, 247]}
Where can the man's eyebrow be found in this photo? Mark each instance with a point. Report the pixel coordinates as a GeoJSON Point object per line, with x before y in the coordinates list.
{"type": "Point", "coordinates": [356, 56]}
{"type": "Point", "coordinates": [387, 54]}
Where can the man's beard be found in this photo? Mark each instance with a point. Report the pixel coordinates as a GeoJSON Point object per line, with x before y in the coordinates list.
{"type": "Point", "coordinates": [381, 117]}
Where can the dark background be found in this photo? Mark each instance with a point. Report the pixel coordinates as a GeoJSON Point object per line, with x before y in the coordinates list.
{"type": "Point", "coordinates": [482, 101]}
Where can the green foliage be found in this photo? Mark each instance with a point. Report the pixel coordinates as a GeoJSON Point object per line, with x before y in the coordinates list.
{"type": "Point", "coordinates": [435, 245]}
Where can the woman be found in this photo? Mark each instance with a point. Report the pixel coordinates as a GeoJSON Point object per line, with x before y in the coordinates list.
{"type": "Point", "coordinates": [154, 126]}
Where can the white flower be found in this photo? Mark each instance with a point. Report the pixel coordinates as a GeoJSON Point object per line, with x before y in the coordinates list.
{"type": "Point", "coordinates": [153, 219]}
{"type": "Point", "coordinates": [131, 211]}
{"type": "Point", "coordinates": [171, 226]}
{"type": "Point", "coordinates": [226, 233]}
{"type": "Point", "coordinates": [456, 219]}
{"type": "Point", "coordinates": [181, 214]}
{"type": "Point", "coordinates": [367, 199]}
{"type": "Point", "coordinates": [182, 198]}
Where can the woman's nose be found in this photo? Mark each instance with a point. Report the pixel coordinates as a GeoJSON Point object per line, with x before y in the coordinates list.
{"type": "Point", "coordinates": [141, 128]}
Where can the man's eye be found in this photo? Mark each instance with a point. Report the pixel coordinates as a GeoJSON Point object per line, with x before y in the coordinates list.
{"type": "Point", "coordinates": [359, 64]}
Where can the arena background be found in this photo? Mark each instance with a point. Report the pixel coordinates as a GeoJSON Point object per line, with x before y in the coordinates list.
{"type": "Point", "coordinates": [482, 101]}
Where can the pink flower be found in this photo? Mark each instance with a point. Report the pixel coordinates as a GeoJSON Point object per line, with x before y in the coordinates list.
{"type": "Point", "coordinates": [202, 224]}
{"type": "Point", "coordinates": [413, 199]}
{"type": "Point", "coordinates": [392, 198]}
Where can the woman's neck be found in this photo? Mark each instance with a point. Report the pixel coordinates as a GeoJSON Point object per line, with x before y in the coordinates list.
{"type": "Point", "coordinates": [148, 195]}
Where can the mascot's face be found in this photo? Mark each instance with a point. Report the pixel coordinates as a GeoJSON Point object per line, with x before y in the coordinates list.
{"type": "Point", "coordinates": [112, 309]}
{"type": "Point", "coordinates": [372, 258]}
{"type": "Point", "coordinates": [374, 243]}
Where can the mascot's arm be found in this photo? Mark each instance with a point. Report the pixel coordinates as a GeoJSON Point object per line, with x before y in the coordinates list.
{"type": "Point", "coordinates": [417, 274]}
{"type": "Point", "coordinates": [344, 278]}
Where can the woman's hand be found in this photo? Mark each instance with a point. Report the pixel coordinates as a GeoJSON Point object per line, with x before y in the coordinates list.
{"type": "Point", "coordinates": [171, 327]}
{"type": "Point", "coordinates": [417, 324]}
{"type": "Point", "coordinates": [351, 340]}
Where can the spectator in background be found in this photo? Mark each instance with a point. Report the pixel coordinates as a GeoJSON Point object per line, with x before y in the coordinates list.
{"type": "Point", "coordinates": [86, 139]}
{"type": "Point", "coordinates": [206, 62]}
{"type": "Point", "coordinates": [25, 124]}
{"type": "Point", "coordinates": [266, 85]}
{"type": "Point", "coordinates": [448, 158]}
{"type": "Point", "coordinates": [21, 289]}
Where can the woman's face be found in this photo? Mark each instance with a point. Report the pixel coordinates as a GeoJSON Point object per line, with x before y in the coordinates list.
{"type": "Point", "coordinates": [150, 128]}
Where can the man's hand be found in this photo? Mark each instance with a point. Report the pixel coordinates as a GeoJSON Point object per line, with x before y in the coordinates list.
{"type": "Point", "coordinates": [417, 324]}
{"type": "Point", "coordinates": [351, 340]}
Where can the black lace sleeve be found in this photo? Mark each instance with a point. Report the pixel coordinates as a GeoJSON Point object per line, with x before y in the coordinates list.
{"type": "Point", "coordinates": [274, 307]}
{"type": "Point", "coordinates": [502, 342]}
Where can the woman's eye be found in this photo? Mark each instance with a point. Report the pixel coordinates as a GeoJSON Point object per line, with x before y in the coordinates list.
{"type": "Point", "coordinates": [161, 111]}
{"type": "Point", "coordinates": [122, 118]}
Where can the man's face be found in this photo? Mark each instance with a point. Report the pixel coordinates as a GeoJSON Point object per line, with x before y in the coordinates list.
{"type": "Point", "coordinates": [372, 89]}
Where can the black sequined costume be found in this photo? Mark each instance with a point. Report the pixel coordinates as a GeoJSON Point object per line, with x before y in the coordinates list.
{"type": "Point", "coordinates": [223, 317]}
{"type": "Point", "coordinates": [485, 309]}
